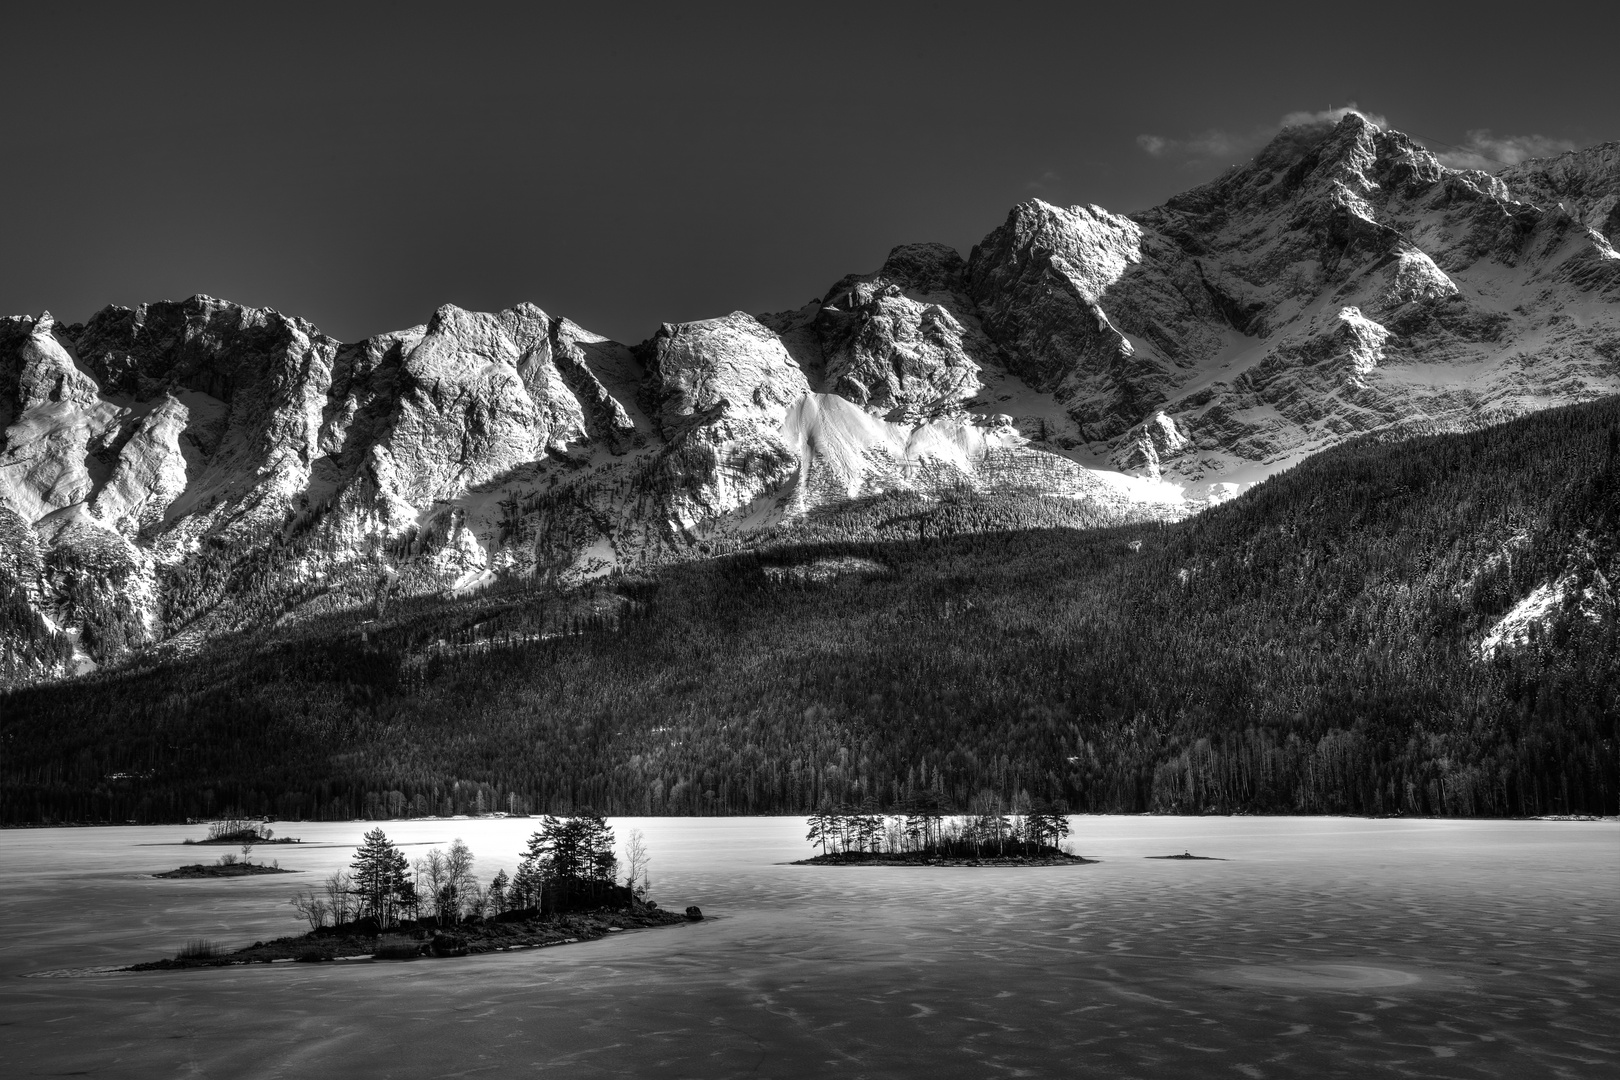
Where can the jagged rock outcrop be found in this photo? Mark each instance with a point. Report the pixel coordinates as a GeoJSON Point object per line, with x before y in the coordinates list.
{"type": "Point", "coordinates": [1153, 440]}
{"type": "Point", "coordinates": [718, 391]}
{"type": "Point", "coordinates": [1304, 298]}
{"type": "Point", "coordinates": [181, 468]}
{"type": "Point", "coordinates": [903, 342]}
{"type": "Point", "coordinates": [1586, 182]}
{"type": "Point", "coordinates": [1039, 281]}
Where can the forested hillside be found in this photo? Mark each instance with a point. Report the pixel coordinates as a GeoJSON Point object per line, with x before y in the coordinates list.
{"type": "Point", "coordinates": [1322, 644]}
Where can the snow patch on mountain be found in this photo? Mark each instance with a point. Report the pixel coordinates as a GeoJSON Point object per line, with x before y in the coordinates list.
{"type": "Point", "coordinates": [1532, 615]}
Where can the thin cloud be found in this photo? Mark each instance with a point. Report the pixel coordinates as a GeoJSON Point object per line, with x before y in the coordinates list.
{"type": "Point", "coordinates": [1489, 152]}
{"type": "Point", "coordinates": [1212, 143]}
{"type": "Point", "coordinates": [1218, 144]}
{"type": "Point", "coordinates": [1045, 182]}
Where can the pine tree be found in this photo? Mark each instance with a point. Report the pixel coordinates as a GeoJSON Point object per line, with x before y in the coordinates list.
{"type": "Point", "coordinates": [379, 878]}
{"type": "Point", "coordinates": [601, 862]}
{"type": "Point", "coordinates": [498, 886]}
{"type": "Point", "coordinates": [524, 892]}
{"type": "Point", "coordinates": [1045, 824]}
{"type": "Point", "coordinates": [821, 830]}
{"type": "Point", "coordinates": [579, 848]}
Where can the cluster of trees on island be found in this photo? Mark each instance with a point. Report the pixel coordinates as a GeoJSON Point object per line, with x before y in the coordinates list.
{"type": "Point", "coordinates": [1313, 646]}
{"type": "Point", "coordinates": [569, 864]}
{"type": "Point", "coordinates": [924, 829]}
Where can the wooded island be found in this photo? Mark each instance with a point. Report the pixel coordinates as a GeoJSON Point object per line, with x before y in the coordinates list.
{"type": "Point", "coordinates": [385, 907]}
{"type": "Point", "coordinates": [927, 836]}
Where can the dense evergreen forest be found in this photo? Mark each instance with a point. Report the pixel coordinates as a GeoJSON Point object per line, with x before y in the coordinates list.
{"type": "Point", "coordinates": [1311, 647]}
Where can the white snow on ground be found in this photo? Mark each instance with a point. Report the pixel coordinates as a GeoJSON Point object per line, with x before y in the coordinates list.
{"type": "Point", "coordinates": [1514, 628]}
{"type": "Point", "coordinates": [80, 662]}
{"type": "Point", "coordinates": [842, 441]}
{"type": "Point", "coordinates": [596, 560]}
{"type": "Point", "coordinates": [1036, 415]}
{"type": "Point", "coordinates": [839, 436]}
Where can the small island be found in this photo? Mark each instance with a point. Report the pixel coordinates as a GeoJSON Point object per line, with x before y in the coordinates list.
{"type": "Point", "coordinates": [924, 835]}
{"type": "Point", "coordinates": [239, 832]}
{"type": "Point", "coordinates": [227, 867]}
{"type": "Point", "coordinates": [236, 830]}
{"type": "Point", "coordinates": [566, 890]}
{"type": "Point", "coordinates": [1187, 856]}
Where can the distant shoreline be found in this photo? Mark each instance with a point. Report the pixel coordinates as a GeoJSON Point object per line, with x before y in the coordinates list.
{"type": "Point", "coordinates": [26, 825]}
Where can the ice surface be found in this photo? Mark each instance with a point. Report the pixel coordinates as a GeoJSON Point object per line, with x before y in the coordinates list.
{"type": "Point", "coordinates": [1320, 947]}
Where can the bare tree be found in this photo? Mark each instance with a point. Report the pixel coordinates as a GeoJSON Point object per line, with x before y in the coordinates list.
{"type": "Point", "coordinates": [460, 885]}
{"type": "Point", "coordinates": [636, 861]}
{"type": "Point", "coordinates": [475, 901]}
{"type": "Point", "coordinates": [231, 824]}
{"type": "Point", "coordinates": [311, 907]}
{"type": "Point", "coordinates": [430, 871]}
{"type": "Point", "coordinates": [341, 900]}
{"type": "Point", "coordinates": [497, 892]}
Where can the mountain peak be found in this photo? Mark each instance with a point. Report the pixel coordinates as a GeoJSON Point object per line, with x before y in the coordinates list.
{"type": "Point", "coordinates": [926, 267]}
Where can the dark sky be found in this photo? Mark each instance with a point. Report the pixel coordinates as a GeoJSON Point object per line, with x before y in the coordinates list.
{"type": "Point", "coordinates": [628, 165]}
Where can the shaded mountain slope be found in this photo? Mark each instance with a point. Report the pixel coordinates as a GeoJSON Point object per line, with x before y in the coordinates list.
{"type": "Point", "coordinates": [1425, 626]}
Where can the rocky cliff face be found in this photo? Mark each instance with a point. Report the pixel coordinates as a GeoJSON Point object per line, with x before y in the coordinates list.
{"type": "Point", "coordinates": [1584, 183]}
{"type": "Point", "coordinates": [183, 468]}
{"type": "Point", "coordinates": [1342, 282]}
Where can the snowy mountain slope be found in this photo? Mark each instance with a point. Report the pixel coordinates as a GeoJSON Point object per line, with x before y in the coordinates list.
{"type": "Point", "coordinates": [173, 470]}
{"type": "Point", "coordinates": [1342, 282]}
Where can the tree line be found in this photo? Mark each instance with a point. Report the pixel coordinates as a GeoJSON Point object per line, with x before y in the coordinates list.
{"type": "Point", "coordinates": [568, 864]}
{"type": "Point", "coordinates": [926, 829]}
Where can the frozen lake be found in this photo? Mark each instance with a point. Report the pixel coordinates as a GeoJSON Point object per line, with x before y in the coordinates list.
{"type": "Point", "coordinates": [1321, 947]}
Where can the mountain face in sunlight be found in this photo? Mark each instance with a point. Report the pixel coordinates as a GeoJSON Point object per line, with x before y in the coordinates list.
{"type": "Point", "coordinates": [189, 468]}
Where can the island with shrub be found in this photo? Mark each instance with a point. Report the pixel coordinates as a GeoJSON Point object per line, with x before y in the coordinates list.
{"type": "Point", "coordinates": [227, 866]}
{"type": "Point", "coordinates": [239, 832]}
{"type": "Point", "coordinates": [236, 829]}
{"type": "Point", "coordinates": [384, 907]}
{"type": "Point", "coordinates": [924, 835]}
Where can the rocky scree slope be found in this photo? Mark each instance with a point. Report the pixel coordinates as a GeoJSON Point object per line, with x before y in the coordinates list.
{"type": "Point", "coordinates": [188, 467]}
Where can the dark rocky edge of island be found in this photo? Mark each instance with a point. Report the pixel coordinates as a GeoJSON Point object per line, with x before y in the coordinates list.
{"type": "Point", "coordinates": [219, 870]}
{"type": "Point", "coordinates": [364, 940]}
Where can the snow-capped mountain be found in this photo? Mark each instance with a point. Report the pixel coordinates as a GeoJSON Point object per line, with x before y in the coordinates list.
{"type": "Point", "coordinates": [186, 467]}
